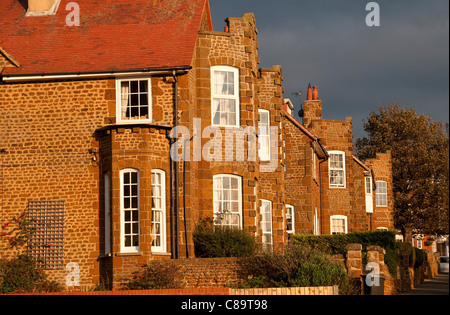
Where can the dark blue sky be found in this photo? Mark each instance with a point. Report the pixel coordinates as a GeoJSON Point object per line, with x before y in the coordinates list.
{"type": "Point", "coordinates": [357, 68]}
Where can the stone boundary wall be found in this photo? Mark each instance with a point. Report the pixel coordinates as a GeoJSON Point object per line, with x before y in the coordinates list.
{"type": "Point", "coordinates": [209, 272]}
{"type": "Point", "coordinates": [211, 291]}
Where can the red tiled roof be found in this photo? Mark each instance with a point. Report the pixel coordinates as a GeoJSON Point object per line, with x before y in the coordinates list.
{"type": "Point", "coordinates": [114, 35]}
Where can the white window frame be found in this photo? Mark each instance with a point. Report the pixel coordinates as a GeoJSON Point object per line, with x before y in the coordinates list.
{"type": "Point", "coordinates": [381, 195]}
{"type": "Point", "coordinates": [316, 222]}
{"type": "Point", "coordinates": [368, 187]}
{"type": "Point", "coordinates": [226, 198]}
{"type": "Point", "coordinates": [264, 153]}
{"type": "Point", "coordinates": [290, 215]}
{"type": "Point", "coordinates": [107, 187]}
{"type": "Point", "coordinates": [331, 169]}
{"type": "Point", "coordinates": [119, 118]}
{"type": "Point", "coordinates": [123, 247]}
{"type": "Point", "coordinates": [338, 217]}
{"type": "Point", "coordinates": [314, 164]}
{"type": "Point", "coordinates": [162, 248]}
{"type": "Point", "coordinates": [266, 224]}
{"type": "Point", "coordinates": [235, 97]}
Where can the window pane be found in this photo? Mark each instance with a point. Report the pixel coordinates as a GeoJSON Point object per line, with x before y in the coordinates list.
{"type": "Point", "coordinates": [223, 83]}
{"type": "Point", "coordinates": [134, 86]}
{"type": "Point", "coordinates": [126, 178]}
{"type": "Point", "coordinates": [143, 100]}
{"type": "Point", "coordinates": [143, 86]}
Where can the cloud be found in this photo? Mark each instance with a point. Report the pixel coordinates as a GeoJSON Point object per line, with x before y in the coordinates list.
{"type": "Point", "coordinates": [357, 68]}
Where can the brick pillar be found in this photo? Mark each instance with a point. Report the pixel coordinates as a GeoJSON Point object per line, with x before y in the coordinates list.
{"type": "Point", "coordinates": [353, 261]}
{"type": "Point", "coordinates": [376, 254]}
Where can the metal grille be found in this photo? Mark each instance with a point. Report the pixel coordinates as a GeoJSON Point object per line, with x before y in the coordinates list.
{"type": "Point", "coordinates": [46, 243]}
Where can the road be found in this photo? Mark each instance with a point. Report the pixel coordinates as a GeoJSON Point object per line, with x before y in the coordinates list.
{"type": "Point", "coordinates": [436, 286]}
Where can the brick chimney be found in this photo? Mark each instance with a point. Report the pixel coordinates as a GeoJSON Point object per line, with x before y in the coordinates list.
{"type": "Point", "coordinates": [42, 7]}
{"type": "Point", "coordinates": [312, 107]}
{"type": "Point", "coordinates": [312, 110]}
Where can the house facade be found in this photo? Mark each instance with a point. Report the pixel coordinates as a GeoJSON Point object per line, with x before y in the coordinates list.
{"type": "Point", "coordinates": [119, 134]}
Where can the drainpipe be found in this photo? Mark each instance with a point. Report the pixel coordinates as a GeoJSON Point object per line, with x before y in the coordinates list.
{"type": "Point", "coordinates": [177, 219]}
{"type": "Point", "coordinates": [321, 195]}
{"type": "Point", "coordinates": [184, 196]}
{"type": "Point", "coordinates": [320, 183]}
{"type": "Point", "coordinates": [172, 199]}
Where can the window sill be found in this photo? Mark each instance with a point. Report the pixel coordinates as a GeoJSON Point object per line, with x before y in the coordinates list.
{"type": "Point", "coordinates": [226, 126]}
{"type": "Point", "coordinates": [128, 254]}
{"type": "Point", "coordinates": [161, 254]}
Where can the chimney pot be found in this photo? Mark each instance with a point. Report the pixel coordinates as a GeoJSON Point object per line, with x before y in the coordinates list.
{"type": "Point", "coordinates": [315, 94]}
{"type": "Point", "coordinates": [309, 96]}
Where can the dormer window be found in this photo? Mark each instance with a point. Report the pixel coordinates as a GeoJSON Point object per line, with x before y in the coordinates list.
{"type": "Point", "coordinates": [134, 100]}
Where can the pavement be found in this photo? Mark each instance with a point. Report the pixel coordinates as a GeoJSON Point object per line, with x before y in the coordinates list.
{"type": "Point", "coordinates": [436, 286]}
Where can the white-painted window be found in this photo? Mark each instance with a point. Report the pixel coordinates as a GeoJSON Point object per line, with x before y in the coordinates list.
{"type": "Point", "coordinates": [336, 167]}
{"type": "Point", "coordinates": [264, 135]}
{"type": "Point", "coordinates": [225, 96]}
{"type": "Point", "coordinates": [381, 194]}
{"type": "Point", "coordinates": [290, 219]}
{"type": "Point", "coordinates": [266, 224]}
{"type": "Point", "coordinates": [316, 223]}
{"type": "Point", "coordinates": [369, 194]}
{"type": "Point", "coordinates": [339, 224]}
{"type": "Point", "coordinates": [134, 100]}
{"type": "Point", "coordinates": [129, 211]}
{"type": "Point", "coordinates": [227, 199]}
{"type": "Point", "coordinates": [158, 228]}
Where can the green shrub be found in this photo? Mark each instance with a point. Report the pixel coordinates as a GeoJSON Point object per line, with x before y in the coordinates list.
{"type": "Point", "coordinates": [212, 241]}
{"type": "Point", "coordinates": [22, 275]}
{"type": "Point", "coordinates": [335, 244]}
{"type": "Point", "coordinates": [156, 275]}
{"type": "Point", "coordinates": [295, 266]}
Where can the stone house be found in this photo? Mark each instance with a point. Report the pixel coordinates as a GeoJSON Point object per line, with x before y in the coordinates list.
{"type": "Point", "coordinates": [119, 134]}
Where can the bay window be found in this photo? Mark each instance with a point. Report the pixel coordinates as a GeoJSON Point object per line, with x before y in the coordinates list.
{"type": "Point", "coordinates": [158, 227]}
{"type": "Point", "coordinates": [129, 211]}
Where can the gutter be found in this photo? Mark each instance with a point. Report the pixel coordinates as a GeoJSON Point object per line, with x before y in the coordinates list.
{"type": "Point", "coordinates": [94, 75]}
